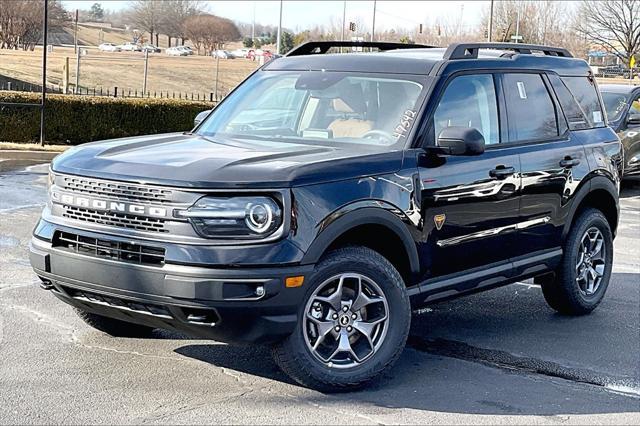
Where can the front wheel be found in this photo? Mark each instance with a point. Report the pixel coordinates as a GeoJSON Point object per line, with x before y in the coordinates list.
{"type": "Point", "coordinates": [353, 324]}
{"type": "Point", "coordinates": [581, 281]}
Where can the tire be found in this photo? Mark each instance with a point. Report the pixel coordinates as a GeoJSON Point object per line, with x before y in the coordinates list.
{"type": "Point", "coordinates": [564, 291]}
{"type": "Point", "coordinates": [113, 327]}
{"type": "Point", "coordinates": [294, 355]}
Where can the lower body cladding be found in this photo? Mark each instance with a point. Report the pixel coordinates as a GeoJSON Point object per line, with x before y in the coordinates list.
{"type": "Point", "coordinates": [130, 282]}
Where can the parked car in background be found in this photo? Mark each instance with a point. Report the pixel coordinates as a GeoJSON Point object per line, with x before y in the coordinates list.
{"type": "Point", "coordinates": [177, 51]}
{"type": "Point", "coordinates": [109, 47]}
{"type": "Point", "coordinates": [240, 53]}
{"type": "Point", "coordinates": [223, 54]}
{"type": "Point", "coordinates": [622, 103]}
{"type": "Point", "coordinates": [255, 55]}
{"type": "Point", "coordinates": [186, 49]}
{"type": "Point", "coordinates": [150, 48]}
{"type": "Point", "coordinates": [130, 47]}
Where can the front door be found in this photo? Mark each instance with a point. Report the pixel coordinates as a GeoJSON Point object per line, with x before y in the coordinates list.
{"type": "Point", "coordinates": [469, 203]}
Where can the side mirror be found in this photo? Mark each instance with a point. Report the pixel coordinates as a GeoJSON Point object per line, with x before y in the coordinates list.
{"type": "Point", "coordinates": [633, 120]}
{"type": "Point", "coordinates": [201, 116]}
{"type": "Point", "coordinates": [460, 141]}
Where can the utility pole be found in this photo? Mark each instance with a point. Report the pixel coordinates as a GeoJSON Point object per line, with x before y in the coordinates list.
{"type": "Point", "coordinates": [146, 67]}
{"type": "Point", "coordinates": [77, 70]}
{"type": "Point", "coordinates": [279, 31]}
{"type": "Point", "coordinates": [490, 32]}
{"type": "Point", "coordinates": [253, 27]}
{"type": "Point", "coordinates": [45, 30]}
{"type": "Point", "coordinates": [344, 19]}
{"type": "Point", "coordinates": [518, 26]}
{"type": "Point", "coordinates": [75, 34]}
{"type": "Point", "coordinates": [373, 24]}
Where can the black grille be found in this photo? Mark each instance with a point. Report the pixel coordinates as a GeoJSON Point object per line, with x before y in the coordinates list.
{"type": "Point", "coordinates": [117, 190]}
{"type": "Point", "coordinates": [139, 223]}
{"type": "Point", "coordinates": [108, 249]}
{"type": "Point", "coordinates": [122, 304]}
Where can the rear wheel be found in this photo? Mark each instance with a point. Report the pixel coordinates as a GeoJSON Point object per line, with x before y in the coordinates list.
{"type": "Point", "coordinates": [582, 279]}
{"type": "Point", "coordinates": [113, 327]}
{"type": "Point", "coordinates": [353, 324]}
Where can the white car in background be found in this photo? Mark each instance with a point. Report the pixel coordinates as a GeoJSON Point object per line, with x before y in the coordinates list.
{"type": "Point", "coordinates": [177, 51]}
{"type": "Point", "coordinates": [240, 53]}
{"type": "Point", "coordinates": [130, 47]}
{"type": "Point", "coordinates": [109, 47]}
{"type": "Point", "coordinates": [223, 54]}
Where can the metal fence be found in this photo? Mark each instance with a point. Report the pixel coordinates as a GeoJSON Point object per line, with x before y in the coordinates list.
{"type": "Point", "coordinates": [120, 92]}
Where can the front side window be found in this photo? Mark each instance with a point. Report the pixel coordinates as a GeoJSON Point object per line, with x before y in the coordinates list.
{"type": "Point", "coordinates": [469, 101]}
{"type": "Point", "coordinates": [329, 108]}
{"type": "Point", "coordinates": [532, 115]}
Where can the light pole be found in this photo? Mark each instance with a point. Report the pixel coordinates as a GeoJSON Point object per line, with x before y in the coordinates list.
{"type": "Point", "coordinates": [373, 24]}
{"type": "Point", "coordinates": [45, 30]}
{"type": "Point", "coordinates": [490, 32]}
{"type": "Point", "coordinates": [344, 18]}
{"type": "Point", "coordinates": [518, 26]}
{"type": "Point", "coordinates": [279, 31]}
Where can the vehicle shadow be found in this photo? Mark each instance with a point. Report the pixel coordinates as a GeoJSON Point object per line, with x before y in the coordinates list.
{"type": "Point", "coordinates": [630, 187]}
{"type": "Point", "coordinates": [513, 320]}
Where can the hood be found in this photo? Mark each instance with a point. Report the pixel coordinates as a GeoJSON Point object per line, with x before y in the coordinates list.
{"type": "Point", "coordinates": [188, 160]}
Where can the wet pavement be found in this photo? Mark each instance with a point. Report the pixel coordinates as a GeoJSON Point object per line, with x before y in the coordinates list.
{"type": "Point", "coordinates": [498, 357]}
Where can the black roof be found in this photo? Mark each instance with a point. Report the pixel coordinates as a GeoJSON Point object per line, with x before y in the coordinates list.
{"type": "Point", "coordinates": [433, 60]}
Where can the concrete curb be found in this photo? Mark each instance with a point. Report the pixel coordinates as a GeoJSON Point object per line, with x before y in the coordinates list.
{"type": "Point", "coordinates": [17, 154]}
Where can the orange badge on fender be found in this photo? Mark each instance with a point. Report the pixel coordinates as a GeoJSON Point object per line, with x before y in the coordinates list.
{"type": "Point", "coordinates": [439, 220]}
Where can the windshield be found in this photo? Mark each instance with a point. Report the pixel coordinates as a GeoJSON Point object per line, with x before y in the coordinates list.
{"type": "Point", "coordinates": [614, 104]}
{"type": "Point", "coordinates": [320, 107]}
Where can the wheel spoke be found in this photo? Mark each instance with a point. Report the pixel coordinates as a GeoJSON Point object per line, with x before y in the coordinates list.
{"type": "Point", "coordinates": [344, 345]}
{"type": "Point", "coordinates": [596, 253]}
{"type": "Point", "coordinates": [335, 300]}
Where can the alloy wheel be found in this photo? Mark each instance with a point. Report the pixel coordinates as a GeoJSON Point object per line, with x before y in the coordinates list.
{"type": "Point", "coordinates": [590, 264]}
{"type": "Point", "coordinates": [346, 320]}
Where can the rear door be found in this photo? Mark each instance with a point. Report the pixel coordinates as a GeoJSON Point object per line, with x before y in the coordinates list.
{"type": "Point", "coordinates": [469, 204]}
{"type": "Point", "coordinates": [552, 159]}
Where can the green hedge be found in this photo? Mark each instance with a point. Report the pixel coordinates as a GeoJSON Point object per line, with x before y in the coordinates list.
{"type": "Point", "coordinates": [78, 119]}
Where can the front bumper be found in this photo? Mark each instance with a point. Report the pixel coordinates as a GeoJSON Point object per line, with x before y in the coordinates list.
{"type": "Point", "coordinates": [224, 304]}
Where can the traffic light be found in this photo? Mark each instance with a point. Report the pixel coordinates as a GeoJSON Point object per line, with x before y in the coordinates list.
{"type": "Point", "coordinates": [352, 26]}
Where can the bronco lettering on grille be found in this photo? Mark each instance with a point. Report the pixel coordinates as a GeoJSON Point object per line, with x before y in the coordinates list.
{"type": "Point", "coordinates": [111, 206]}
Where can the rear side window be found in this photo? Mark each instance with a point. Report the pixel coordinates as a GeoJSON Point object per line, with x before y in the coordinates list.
{"type": "Point", "coordinates": [585, 98]}
{"type": "Point", "coordinates": [532, 114]}
{"type": "Point", "coordinates": [469, 101]}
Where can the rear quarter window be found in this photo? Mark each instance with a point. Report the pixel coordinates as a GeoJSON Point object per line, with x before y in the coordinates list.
{"type": "Point", "coordinates": [580, 102]}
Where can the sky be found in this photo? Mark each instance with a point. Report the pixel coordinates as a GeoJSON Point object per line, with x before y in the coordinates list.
{"type": "Point", "coordinates": [300, 15]}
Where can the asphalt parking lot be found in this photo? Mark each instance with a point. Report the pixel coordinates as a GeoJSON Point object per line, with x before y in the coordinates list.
{"type": "Point", "coordinates": [497, 357]}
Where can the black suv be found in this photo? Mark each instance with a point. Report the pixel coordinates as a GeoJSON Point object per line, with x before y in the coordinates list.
{"type": "Point", "coordinates": [329, 194]}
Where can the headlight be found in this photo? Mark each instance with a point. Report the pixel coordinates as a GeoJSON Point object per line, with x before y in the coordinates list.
{"type": "Point", "coordinates": [234, 217]}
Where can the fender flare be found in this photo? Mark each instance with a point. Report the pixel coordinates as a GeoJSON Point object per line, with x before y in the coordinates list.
{"type": "Point", "coordinates": [358, 217]}
{"type": "Point", "coordinates": [595, 183]}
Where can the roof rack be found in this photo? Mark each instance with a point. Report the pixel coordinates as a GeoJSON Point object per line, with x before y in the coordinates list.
{"type": "Point", "coordinates": [321, 47]}
{"type": "Point", "coordinates": [470, 50]}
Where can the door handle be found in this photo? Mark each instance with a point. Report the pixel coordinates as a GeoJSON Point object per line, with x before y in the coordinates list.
{"type": "Point", "coordinates": [502, 172]}
{"type": "Point", "coordinates": [569, 162]}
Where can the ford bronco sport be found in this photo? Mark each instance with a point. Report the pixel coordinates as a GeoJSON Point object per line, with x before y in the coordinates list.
{"type": "Point", "coordinates": [329, 194]}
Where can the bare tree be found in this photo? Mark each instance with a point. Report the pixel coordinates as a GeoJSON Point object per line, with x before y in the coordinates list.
{"type": "Point", "coordinates": [175, 12]}
{"type": "Point", "coordinates": [210, 31]}
{"type": "Point", "coordinates": [146, 15]}
{"type": "Point", "coordinates": [21, 22]}
{"type": "Point", "coordinates": [613, 24]}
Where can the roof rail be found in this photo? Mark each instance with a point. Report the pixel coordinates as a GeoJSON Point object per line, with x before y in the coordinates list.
{"type": "Point", "coordinates": [321, 47]}
{"type": "Point", "coordinates": [470, 50]}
